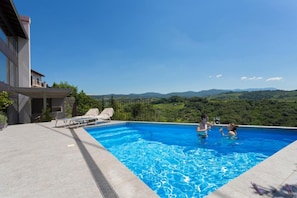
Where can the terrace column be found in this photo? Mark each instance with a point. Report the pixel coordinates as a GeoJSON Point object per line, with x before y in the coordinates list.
{"type": "Point", "coordinates": [44, 102]}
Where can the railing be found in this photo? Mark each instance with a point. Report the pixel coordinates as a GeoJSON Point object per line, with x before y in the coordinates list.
{"type": "Point", "coordinates": [37, 83]}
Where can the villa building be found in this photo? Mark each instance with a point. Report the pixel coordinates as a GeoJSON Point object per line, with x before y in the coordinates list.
{"type": "Point", "coordinates": [36, 79]}
{"type": "Point", "coordinates": [31, 96]}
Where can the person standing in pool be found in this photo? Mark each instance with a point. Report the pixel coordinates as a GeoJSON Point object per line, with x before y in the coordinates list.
{"type": "Point", "coordinates": [232, 130]}
{"type": "Point", "coordinates": [203, 126]}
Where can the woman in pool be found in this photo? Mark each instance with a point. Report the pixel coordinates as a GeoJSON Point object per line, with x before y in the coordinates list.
{"type": "Point", "coordinates": [232, 130]}
{"type": "Point", "coordinates": [203, 126]}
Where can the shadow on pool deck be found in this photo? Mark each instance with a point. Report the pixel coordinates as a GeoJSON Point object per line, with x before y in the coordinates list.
{"type": "Point", "coordinates": [102, 184]}
{"type": "Point", "coordinates": [105, 188]}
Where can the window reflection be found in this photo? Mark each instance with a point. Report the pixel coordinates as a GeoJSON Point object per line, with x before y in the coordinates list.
{"type": "Point", "coordinates": [3, 36]}
{"type": "Point", "coordinates": [3, 72]}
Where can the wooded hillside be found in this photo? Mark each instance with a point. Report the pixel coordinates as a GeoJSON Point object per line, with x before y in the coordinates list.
{"type": "Point", "coordinates": [269, 108]}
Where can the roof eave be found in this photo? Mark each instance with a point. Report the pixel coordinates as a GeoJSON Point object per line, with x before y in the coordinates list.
{"type": "Point", "coordinates": [10, 20]}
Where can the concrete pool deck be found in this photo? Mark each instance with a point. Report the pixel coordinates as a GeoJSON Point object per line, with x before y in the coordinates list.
{"type": "Point", "coordinates": [39, 160]}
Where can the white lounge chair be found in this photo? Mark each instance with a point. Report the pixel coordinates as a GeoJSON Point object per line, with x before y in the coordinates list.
{"type": "Point", "coordinates": [105, 115]}
{"type": "Point", "coordinates": [83, 121]}
{"type": "Point", "coordinates": [91, 113]}
{"type": "Point", "coordinates": [78, 120]}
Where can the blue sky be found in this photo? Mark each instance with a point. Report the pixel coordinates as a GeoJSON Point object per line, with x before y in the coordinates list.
{"type": "Point", "coordinates": [138, 46]}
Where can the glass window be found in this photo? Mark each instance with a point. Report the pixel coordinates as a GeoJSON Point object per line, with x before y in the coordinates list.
{"type": "Point", "coordinates": [2, 35]}
{"type": "Point", "coordinates": [3, 70]}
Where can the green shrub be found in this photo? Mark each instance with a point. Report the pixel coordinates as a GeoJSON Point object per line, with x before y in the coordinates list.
{"type": "Point", "coordinates": [45, 115]}
{"type": "Point", "coordinates": [3, 118]}
{"type": "Point", "coordinates": [4, 101]}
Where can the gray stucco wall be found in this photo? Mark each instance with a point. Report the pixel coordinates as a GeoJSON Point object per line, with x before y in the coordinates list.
{"type": "Point", "coordinates": [24, 73]}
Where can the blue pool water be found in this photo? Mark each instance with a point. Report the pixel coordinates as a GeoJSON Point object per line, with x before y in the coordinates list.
{"type": "Point", "coordinates": [175, 162]}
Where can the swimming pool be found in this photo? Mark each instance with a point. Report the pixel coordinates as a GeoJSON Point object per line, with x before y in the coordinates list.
{"type": "Point", "coordinates": [173, 161]}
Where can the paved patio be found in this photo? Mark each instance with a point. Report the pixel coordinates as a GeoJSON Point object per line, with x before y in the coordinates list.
{"type": "Point", "coordinates": [39, 160]}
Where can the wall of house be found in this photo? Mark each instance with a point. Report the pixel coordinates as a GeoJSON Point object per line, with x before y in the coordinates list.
{"type": "Point", "coordinates": [58, 108]}
{"type": "Point", "coordinates": [8, 73]}
{"type": "Point", "coordinates": [15, 66]}
{"type": "Point", "coordinates": [56, 105]}
{"type": "Point", "coordinates": [24, 72]}
{"type": "Point", "coordinates": [36, 80]}
{"type": "Point", "coordinates": [17, 71]}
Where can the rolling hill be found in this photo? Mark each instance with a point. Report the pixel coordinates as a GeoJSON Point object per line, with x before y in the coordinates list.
{"type": "Point", "coordinates": [212, 93]}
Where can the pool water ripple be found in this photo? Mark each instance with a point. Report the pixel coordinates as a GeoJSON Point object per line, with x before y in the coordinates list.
{"type": "Point", "coordinates": [175, 162]}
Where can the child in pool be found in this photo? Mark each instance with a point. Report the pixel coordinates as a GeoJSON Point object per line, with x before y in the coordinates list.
{"type": "Point", "coordinates": [203, 126]}
{"type": "Point", "coordinates": [232, 130]}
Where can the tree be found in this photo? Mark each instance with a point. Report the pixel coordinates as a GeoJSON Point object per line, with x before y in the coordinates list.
{"type": "Point", "coordinates": [113, 103]}
{"type": "Point", "coordinates": [102, 103]}
{"type": "Point", "coordinates": [66, 85]}
{"type": "Point", "coordinates": [84, 102]}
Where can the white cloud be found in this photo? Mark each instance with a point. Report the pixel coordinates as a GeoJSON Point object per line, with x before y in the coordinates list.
{"type": "Point", "coordinates": [251, 78]}
{"type": "Point", "coordinates": [219, 75]}
{"type": "Point", "coordinates": [274, 79]}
